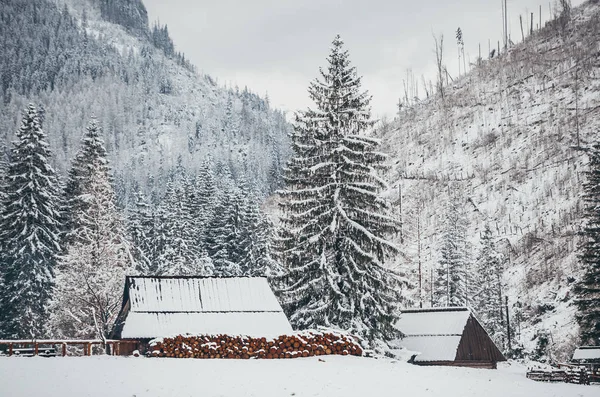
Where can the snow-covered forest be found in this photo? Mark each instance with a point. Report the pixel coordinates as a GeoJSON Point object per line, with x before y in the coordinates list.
{"type": "Point", "coordinates": [121, 158]}
{"type": "Point", "coordinates": [184, 163]}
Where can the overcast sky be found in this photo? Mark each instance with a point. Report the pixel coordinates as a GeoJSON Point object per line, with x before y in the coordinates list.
{"type": "Point", "coordinates": [277, 46]}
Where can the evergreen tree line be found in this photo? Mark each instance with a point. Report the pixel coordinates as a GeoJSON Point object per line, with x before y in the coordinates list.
{"type": "Point", "coordinates": [65, 250]}
{"type": "Point", "coordinates": [204, 225]}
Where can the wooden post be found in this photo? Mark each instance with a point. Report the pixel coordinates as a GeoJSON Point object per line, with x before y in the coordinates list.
{"type": "Point", "coordinates": [577, 105]}
{"type": "Point", "coordinates": [86, 349]}
{"type": "Point", "coordinates": [400, 204]}
{"type": "Point", "coordinates": [10, 349]}
{"type": "Point", "coordinates": [36, 348]}
{"type": "Point", "coordinates": [64, 349]}
{"type": "Point", "coordinates": [419, 256]}
{"type": "Point", "coordinates": [507, 324]}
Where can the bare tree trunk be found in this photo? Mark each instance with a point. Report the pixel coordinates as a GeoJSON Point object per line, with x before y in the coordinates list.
{"type": "Point", "coordinates": [439, 58]}
{"type": "Point", "coordinates": [521, 21]}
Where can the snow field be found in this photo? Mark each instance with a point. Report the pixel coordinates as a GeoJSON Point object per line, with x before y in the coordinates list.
{"type": "Point", "coordinates": [330, 377]}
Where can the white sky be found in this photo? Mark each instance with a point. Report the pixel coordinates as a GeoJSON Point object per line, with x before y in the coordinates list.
{"type": "Point", "coordinates": [277, 46]}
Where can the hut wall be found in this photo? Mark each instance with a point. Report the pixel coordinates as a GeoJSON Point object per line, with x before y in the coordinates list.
{"type": "Point", "coordinates": [476, 345]}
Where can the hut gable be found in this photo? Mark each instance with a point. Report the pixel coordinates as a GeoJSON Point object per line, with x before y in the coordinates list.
{"type": "Point", "coordinates": [162, 306]}
{"type": "Point", "coordinates": [447, 336]}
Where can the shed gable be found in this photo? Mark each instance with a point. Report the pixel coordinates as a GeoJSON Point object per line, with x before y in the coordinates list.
{"type": "Point", "coordinates": [447, 335]}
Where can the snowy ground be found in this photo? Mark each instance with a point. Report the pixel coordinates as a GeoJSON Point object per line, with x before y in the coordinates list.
{"type": "Point", "coordinates": [336, 376]}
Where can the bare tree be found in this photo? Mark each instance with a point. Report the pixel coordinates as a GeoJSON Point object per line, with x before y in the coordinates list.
{"type": "Point", "coordinates": [439, 60]}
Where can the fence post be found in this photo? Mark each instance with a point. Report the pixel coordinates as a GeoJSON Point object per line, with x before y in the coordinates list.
{"type": "Point", "coordinates": [35, 348]}
{"type": "Point", "coordinates": [10, 349]}
{"type": "Point", "coordinates": [64, 349]}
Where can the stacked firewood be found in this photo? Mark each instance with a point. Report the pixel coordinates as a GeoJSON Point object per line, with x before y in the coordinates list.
{"type": "Point", "coordinates": [305, 344]}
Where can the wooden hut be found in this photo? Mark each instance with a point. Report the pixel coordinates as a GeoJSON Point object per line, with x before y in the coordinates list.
{"type": "Point", "coordinates": [447, 336]}
{"type": "Point", "coordinates": [588, 356]}
{"type": "Point", "coordinates": [168, 306]}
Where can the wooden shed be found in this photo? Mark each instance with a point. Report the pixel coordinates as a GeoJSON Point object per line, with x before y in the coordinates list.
{"type": "Point", "coordinates": [447, 336]}
{"type": "Point", "coordinates": [167, 306]}
{"type": "Point", "coordinates": [588, 356]}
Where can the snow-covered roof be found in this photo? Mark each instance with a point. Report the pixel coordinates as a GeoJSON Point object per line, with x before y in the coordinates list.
{"type": "Point", "coordinates": [442, 321]}
{"type": "Point", "coordinates": [433, 333]}
{"type": "Point", "coordinates": [164, 306]}
{"type": "Point", "coordinates": [587, 353]}
{"type": "Point", "coordinates": [197, 294]}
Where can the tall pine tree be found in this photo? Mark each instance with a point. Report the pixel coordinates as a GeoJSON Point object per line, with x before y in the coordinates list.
{"type": "Point", "coordinates": [335, 222]}
{"type": "Point", "coordinates": [451, 284]}
{"type": "Point", "coordinates": [90, 275]}
{"type": "Point", "coordinates": [587, 289]}
{"type": "Point", "coordinates": [30, 234]}
{"type": "Point", "coordinates": [487, 299]}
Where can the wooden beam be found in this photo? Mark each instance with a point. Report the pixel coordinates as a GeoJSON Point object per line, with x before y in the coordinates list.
{"type": "Point", "coordinates": [10, 349]}
{"type": "Point", "coordinates": [36, 348]}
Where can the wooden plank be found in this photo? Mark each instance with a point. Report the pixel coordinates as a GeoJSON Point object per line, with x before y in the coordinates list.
{"type": "Point", "coordinates": [36, 348]}
{"type": "Point", "coordinates": [64, 349]}
{"type": "Point", "coordinates": [10, 349]}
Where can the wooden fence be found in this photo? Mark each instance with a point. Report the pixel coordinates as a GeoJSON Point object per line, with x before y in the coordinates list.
{"type": "Point", "coordinates": [113, 345]}
{"type": "Point", "coordinates": [566, 373]}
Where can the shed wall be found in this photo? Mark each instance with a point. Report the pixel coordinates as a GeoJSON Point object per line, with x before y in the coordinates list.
{"type": "Point", "coordinates": [476, 345]}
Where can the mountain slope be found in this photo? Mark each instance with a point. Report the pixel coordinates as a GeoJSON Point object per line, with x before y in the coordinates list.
{"type": "Point", "coordinates": [98, 57]}
{"type": "Point", "coordinates": [508, 140]}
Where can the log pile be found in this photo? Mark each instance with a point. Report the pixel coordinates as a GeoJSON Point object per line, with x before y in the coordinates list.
{"type": "Point", "coordinates": [305, 344]}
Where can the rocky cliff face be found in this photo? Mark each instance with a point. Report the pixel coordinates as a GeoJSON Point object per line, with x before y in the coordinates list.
{"type": "Point", "coordinates": [131, 14]}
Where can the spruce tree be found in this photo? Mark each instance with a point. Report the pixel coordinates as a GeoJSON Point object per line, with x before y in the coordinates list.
{"type": "Point", "coordinates": [98, 254]}
{"type": "Point", "coordinates": [92, 150]}
{"type": "Point", "coordinates": [587, 289]}
{"type": "Point", "coordinates": [140, 226]}
{"type": "Point", "coordinates": [335, 222]}
{"type": "Point", "coordinates": [181, 254]}
{"type": "Point", "coordinates": [451, 285]}
{"type": "Point", "coordinates": [223, 234]}
{"type": "Point", "coordinates": [29, 232]}
{"type": "Point", "coordinates": [487, 299]}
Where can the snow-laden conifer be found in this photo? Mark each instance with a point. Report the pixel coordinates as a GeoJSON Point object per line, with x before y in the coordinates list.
{"type": "Point", "coordinates": [29, 232]}
{"type": "Point", "coordinates": [90, 275]}
{"type": "Point", "coordinates": [335, 222]}
{"type": "Point", "coordinates": [487, 289]}
{"type": "Point", "coordinates": [587, 289]}
{"type": "Point", "coordinates": [451, 283]}
{"type": "Point", "coordinates": [181, 253]}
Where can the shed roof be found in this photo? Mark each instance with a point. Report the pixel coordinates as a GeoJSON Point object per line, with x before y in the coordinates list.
{"type": "Point", "coordinates": [585, 353]}
{"type": "Point", "coordinates": [163, 306]}
{"type": "Point", "coordinates": [434, 333]}
{"type": "Point", "coordinates": [439, 321]}
{"type": "Point", "coordinates": [201, 294]}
